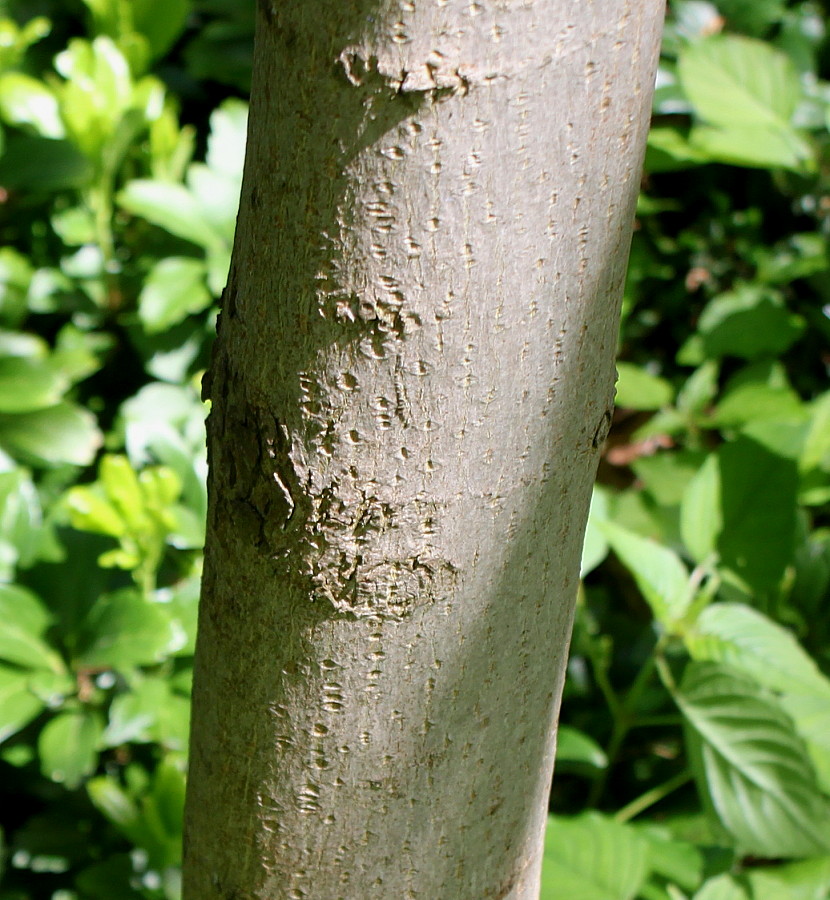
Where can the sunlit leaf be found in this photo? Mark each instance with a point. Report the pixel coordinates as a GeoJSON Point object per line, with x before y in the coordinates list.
{"type": "Point", "coordinates": [751, 765]}
{"type": "Point", "coordinates": [125, 630]}
{"type": "Point", "coordinates": [68, 746]}
{"type": "Point", "coordinates": [658, 571]}
{"type": "Point", "coordinates": [592, 858]}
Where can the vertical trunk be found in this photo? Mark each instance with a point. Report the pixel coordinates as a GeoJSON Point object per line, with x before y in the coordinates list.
{"type": "Point", "coordinates": [412, 380]}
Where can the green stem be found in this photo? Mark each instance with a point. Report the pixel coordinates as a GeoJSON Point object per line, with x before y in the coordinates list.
{"type": "Point", "coordinates": [624, 721]}
{"type": "Point", "coordinates": [652, 796]}
{"type": "Point", "coordinates": [100, 202]}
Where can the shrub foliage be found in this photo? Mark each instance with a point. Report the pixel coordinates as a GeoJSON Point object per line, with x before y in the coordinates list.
{"type": "Point", "coordinates": [694, 752]}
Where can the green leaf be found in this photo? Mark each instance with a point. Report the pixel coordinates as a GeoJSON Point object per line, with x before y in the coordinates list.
{"type": "Point", "coordinates": [660, 575]}
{"type": "Point", "coordinates": [64, 433]}
{"type": "Point", "coordinates": [700, 389]}
{"type": "Point", "coordinates": [807, 879]}
{"type": "Point", "coordinates": [751, 765]}
{"type": "Point", "coordinates": [811, 715]}
{"type": "Point", "coordinates": [161, 26]}
{"type": "Point", "coordinates": [574, 746]}
{"type": "Point", "coordinates": [122, 487]}
{"type": "Point", "coordinates": [228, 135]}
{"type": "Point", "coordinates": [15, 40]}
{"type": "Point", "coordinates": [24, 621]}
{"type": "Point", "coordinates": [21, 519]}
{"type": "Point", "coordinates": [174, 289]}
{"type": "Point", "coordinates": [748, 92]}
{"type": "Point", "coordinates": [666, 474]}
{"type": "Point", "coordinates": [113, 877]}
{"type": "Point", "coordinates": [639, 389]}
{"type": "Point", "coordinates": [89, 511]}
{"type": "Point", "coordinates": [668, 150]}
{"type": "Point", "coordinates": [746, 640]}
{"type": "Point", "coordinates": [151, 711]}
{"type": "Point", "coordinates": [124, 630]}
{"type": "Point", "coordinates": [18, 705]}
{"type": "Point", "coordinates": [595, 546]}
{"type": "Point", "coordinates": [43, 165]}
{"type": "Point", "coordinates": [67, 746]}
{"type": "Point", "coordinates": [26, 101]}
{"type": "Point", "coordinates": [675, 862]}
{"type": "Point", "coordinates": [748, 322]}
{"type": "Point", "coordinates": [27, 384]}
{"type": "Point", "coordinates": [172, 207]}
{"type": "Point", "coordinates": [762, 148]}
{"type": "Point", "coordinates": [742, 504]}
{"type": "Point", "coordinates": [154, 821]}
{"type": "Point", "coordinates": [815, 453]}
{"type": "Point", "coordinates": [750, 401]}
{"type": "Point", "coordinates": [723, 887]}
{"type": "Point", "coordinates": [732, 80]}
{"type": "Point", "coordinates": [591, 857]}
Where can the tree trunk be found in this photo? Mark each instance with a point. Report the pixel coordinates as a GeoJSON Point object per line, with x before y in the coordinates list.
{"type": "Point", "coordinates": [412, 381]}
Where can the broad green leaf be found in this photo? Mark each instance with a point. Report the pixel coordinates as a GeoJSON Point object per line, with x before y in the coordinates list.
{"type": "Point", "coordinates": [52, 687]}
{"type": "Point", "coordinates": [172, 207]}
{"type": "Point", "coordinates": [752, 16]}
{"type": "Point", "coordinates": [75, 225]}
{"type": "Point", "coordinates": [228, 134]}
{"type": "Point", "coordinates": [16, 39]}
{"type": "Point", "coordinates": [723, 887]}
{"type": "Point", "coordinates": [112, 877]}
{"type": "Point", "coordinates": [658, 571]}
{"type": "Point", "coordinates": [811, 715]}
{"type": "Point", "coordinates": [121, 483]}
{"type": "Point", "coordinates": [676, 862]}
{"type": "Point", "coordinates": [668, 149]}
{"type": "Point", "coordinates": [807, 879]}
{"type": "Point", "coordinates": [763, 148]}
{"type": "Point", "coordinates": [67, 746]}
{"type": "Point", "coordinates": [217, 196]}
{"type": "Point", "coordinates": [816, 450]}
{"type": "Point", "coordinates": [26, 101]}
{"type": "Point", "coordinates": [18, 705]}
{"type": "Point", "coordinates": [182, 601]}
{"type": "Point", "coordinates": [59, 434]}
{"type": "Point", "coordinates": [43, 165]}
{"type": "Point", "coordinates": [748, 322]}
{"type": "Point", "coordinates": [742, 505]}
{"type": "Point", "coordinates": [124, 630]}
{"type": "Point", "coordinates": [639, 389]}
{"type": "Point", "coordinates": [174, 289]}
{"type": "Point", "coordinates": [28, 384]}
{"type": "Point", "coordinates": [748, 402]}
{"type": "Point", "coordinates": [748, 92]}
{"type": "Point", "coordinates": [574, 746]}
{"type": "Point", "coordinates": [595, 546]}
{"type": "Point", "coordinates": [700, 388]}
{"type": "Point", "coordinates": [665, 475]}
{"type": "Point", "coordinates": [732, 80]}
{"type": "Point", "coordinates": [153, 821]}
{"type": "Point", "coordinates": [24, 621]}
{"type": "Point", "coordinates": [799, 255]}
{"type": "Point", "coordinates": [114, 802]}
{"type": "Point", "coordinates": [151, 711]}
{"type": "Point", "coordinates": [591, 857]}
{"type": "Point", "coordinates": [89, 511]}
{"type": "Point", "coordinates": [751, 765]}
{"type": "Point", "coordinates": [746, 640]}
{"type": "Point", "coordinates": [161, 26]}
{"type": "Point", "coordinates": [21, 519]}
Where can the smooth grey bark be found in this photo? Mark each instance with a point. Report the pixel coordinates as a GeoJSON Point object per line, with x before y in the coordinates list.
{"type": "Point", "coordinates": [412, 381]}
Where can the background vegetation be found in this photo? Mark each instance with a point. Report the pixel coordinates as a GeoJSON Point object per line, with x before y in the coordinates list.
{"type": "Point", "coordinates": [695, 749]}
